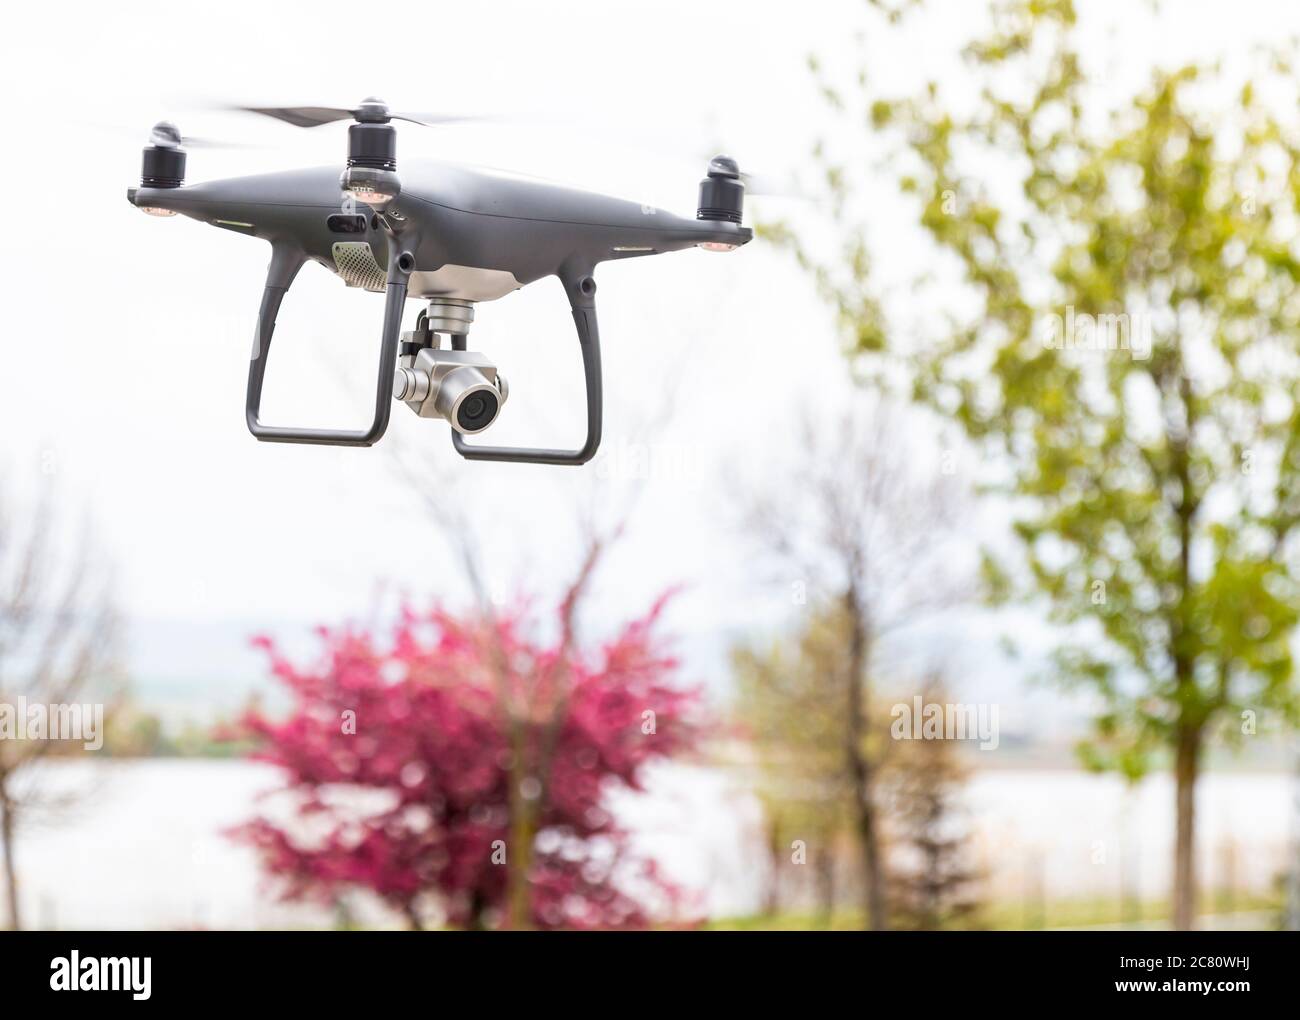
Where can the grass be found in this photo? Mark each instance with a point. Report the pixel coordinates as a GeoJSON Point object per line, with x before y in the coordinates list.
{"type": "Point", "coordinates": [1081, 912]}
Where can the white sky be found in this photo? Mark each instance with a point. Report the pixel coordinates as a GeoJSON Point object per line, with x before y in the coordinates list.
{"type": "Point", "coordinates": [125, 338]}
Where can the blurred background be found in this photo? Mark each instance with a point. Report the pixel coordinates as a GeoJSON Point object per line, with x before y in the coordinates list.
{"type": "Point", "coordinates": [936, 570]}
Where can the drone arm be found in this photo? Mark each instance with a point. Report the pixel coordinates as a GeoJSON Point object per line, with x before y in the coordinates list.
{"type": "Point", "coordinates": [286, 260]}
{"type": "Point", "coordinates": [581, 289]}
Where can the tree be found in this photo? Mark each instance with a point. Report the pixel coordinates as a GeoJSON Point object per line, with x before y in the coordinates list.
{"type": "Point", "coordinates": [933, 882]}
{"type": "Point", "coordinates": [428, 722]}
{"type": "Point", "coordinates": [790, 705]}
{"type": "Point", "coordinates": [1120, 340]}
{"type": "Point", "coordinates": [863, 527]}
{"type": "Point", "coordinates": [58, 643]}
{"type": "Point", "coordinates": [459, 509]}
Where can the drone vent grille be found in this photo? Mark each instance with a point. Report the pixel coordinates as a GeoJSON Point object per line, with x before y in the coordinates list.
{"type": "Point", "coordinates": [354, 261]}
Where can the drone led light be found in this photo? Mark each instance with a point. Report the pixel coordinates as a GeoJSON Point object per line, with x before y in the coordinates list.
{"type": "Point", "coordinates": [371, 196]}
{"type": "Point", "coordinates": [374, 186]}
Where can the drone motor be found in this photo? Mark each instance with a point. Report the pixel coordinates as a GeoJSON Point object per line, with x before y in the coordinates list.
{"type": "Point", "coordinates": [163, 165]}
{"type": "Point", "coordinates": [371, 173]}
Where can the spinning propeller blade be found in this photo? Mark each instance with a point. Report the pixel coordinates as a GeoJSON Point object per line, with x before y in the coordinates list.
{"type": "Point", "coordinates": [369, 110]}
{"type": "Point", "coordinates": [765, 186]}
{"type": "Point", "coordinates": [301, 116]}
{"type": "Point", "coordinates": [168, 135]}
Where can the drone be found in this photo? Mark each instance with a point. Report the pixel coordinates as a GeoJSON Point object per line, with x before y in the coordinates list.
{"type": "Point", "coordinates": [449, 235]}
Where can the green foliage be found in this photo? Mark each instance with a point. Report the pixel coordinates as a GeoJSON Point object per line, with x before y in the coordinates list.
{"type": "Point", "coordinates": [1009, 915]}
{"type": "Point", "coordinates": [791, 702]}
{"type": "Point", "coordinates": [134, 731]}
{"type": "Point", "coordinates": [1155, 498]}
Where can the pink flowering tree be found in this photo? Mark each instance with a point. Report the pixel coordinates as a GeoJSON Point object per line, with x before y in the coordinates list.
{"type": "Point", "coordinates": [457, 765]}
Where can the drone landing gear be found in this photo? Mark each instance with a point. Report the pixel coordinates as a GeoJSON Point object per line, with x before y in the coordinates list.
{"type": "Point", "coordinates": [581, 290]}
{"type": "Point", "coordinates": [285, 263]}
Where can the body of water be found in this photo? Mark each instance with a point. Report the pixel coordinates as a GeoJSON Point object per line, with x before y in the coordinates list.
{"type": "Point", "coordinates": [143, 843]}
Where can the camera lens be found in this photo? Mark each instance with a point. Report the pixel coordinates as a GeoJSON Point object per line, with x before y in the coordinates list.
{"type": "Point", "coordinates": [477, 411]}
{"type": "Point", "coordinates": [466, 396]}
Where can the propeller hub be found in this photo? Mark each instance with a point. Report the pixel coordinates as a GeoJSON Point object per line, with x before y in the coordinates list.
{"type": "Point", "coordinates": [724, 166]}
{"type": "Point", "coordinates": [372, 111]}
{"type": "Point", "coordinates": [165, 135]}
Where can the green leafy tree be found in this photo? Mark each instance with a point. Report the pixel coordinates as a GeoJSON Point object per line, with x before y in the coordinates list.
{"type": "Point", "coordinates": [1119, 338]}
{"type": "Point", "coordinates": [790, 702]}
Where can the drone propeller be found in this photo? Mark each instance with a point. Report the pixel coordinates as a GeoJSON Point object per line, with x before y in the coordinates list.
{"type": "Point", "coordinates": [371, 111]}
{"type": "Point", "coordinates": [370, 175]}
{"type": "Point", "coordinates": [762, 185]}
{"type": "Point", "coordinates": [166, 135]}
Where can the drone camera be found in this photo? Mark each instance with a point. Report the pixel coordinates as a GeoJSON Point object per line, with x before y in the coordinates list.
{"type": "Point", "coordinates": [468, 400]}
{"type": "Point", "coordinates": [461, 387]}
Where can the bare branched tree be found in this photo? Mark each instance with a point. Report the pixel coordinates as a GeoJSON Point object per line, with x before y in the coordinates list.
{"type": "Point", "coordinates": [866, 530]}
{"type": "Point", "coordinates": [58, 637]}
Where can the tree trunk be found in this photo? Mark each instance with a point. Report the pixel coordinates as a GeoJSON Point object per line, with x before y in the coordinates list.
{"type": "Point", "coordinates": [478, 905]}
{"type": "Point", "coordinates": [871, 858]}
{"type": "Point", "coordinates": [826, 881]}
{"type": "Point", "coordinates": [1186, 770]}
{"type": "Point", "coordinates": [14, 919]}
{"type": "Point", "coordinates": [776, 851]}
{"type": "Point", "coordinates": [860, 767]}
{"type": "Point", "coordinates": [519, 849]}
{"type": "Point", "coordinates": [1187, 737]}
